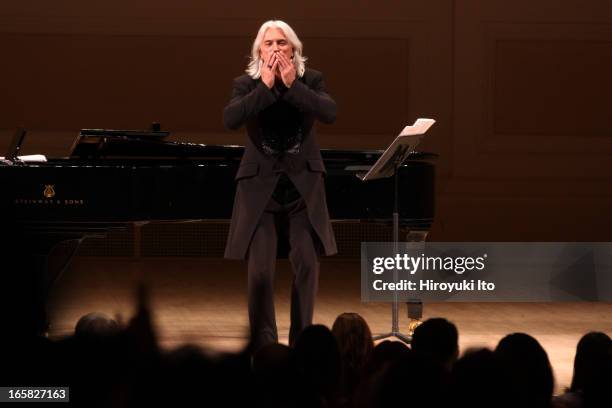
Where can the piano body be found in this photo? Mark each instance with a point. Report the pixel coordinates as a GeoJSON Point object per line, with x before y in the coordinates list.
{"type": "Point", "coordinates": [112, 178]}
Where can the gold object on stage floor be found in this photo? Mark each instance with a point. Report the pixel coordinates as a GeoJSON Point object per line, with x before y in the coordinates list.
{"type": "Point", "coordinates": [412, 325]}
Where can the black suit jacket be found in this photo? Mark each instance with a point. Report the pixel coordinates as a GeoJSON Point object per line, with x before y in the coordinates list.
{"type": "Point", "coordinates": [279, 112]}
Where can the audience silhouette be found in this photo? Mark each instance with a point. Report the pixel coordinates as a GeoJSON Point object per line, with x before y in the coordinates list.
{"type": "Point", "coordinates": [108, 363]}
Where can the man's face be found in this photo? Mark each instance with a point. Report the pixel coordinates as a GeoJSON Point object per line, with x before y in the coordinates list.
{"type": "Point", "coordinates": [274, 40]}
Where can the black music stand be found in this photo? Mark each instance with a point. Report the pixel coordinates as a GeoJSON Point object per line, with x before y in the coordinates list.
{"type": "Point", "coordinates": [387, 166]}
{"type": "Point", "coordinates": [13, 149]}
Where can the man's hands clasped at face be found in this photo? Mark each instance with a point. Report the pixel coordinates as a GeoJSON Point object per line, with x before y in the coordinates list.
{"type": "Point", "coordinates": [268, 70]}
{"type": "Point", "coordinates": [277, 64]}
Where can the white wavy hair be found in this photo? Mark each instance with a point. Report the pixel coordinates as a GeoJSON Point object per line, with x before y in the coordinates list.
{"type": "Point", "coordinates": [255, 63]}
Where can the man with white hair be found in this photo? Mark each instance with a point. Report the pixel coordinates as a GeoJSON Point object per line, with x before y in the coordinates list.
{"type": "Point", "coordinates": [281, 191]}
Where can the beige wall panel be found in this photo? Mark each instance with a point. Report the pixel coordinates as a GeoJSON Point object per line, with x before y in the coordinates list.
{"type": "Point", "coordinates": [532, 135]}
{"type": "Point", "coordinates": [386, 63]}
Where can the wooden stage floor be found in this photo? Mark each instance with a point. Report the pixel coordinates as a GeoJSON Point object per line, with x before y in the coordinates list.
{"type": "Point", "coordinates": [203, 301]}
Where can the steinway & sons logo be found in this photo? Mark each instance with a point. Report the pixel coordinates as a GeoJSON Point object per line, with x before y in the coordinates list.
{"type": "Point", "coordinates": [49, 191]}
{"type": "Point", "coordinates": [50, 199]}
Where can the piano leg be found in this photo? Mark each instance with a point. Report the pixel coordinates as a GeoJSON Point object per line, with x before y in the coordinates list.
{"type": "Point", "coordinates": [35, 264]}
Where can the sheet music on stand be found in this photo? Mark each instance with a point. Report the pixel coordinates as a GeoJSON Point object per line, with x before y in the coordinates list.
{"type": "Point", "coordinates": [404, 144]}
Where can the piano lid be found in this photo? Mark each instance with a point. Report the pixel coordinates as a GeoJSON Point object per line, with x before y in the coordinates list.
{"type": "Point", "coordinates": [94, 143]}
{"type": "Point", "coordinates": [130, 134]}
{"type": "Point", "coordinates": [102, 144]}
{"type": "Point", "coordinates": [154, 132]}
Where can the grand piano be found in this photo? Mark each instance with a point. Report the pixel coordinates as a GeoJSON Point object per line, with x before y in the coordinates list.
{"type": "Point", "coordinates": [112, 178]}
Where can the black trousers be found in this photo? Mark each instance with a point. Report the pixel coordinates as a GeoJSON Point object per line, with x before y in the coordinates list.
{"type": "Point", "coordinates": [291, 221]}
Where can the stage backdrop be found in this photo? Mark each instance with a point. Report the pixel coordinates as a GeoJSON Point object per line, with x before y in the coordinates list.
{"type": "Point", "coordinates": [521, 91]}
